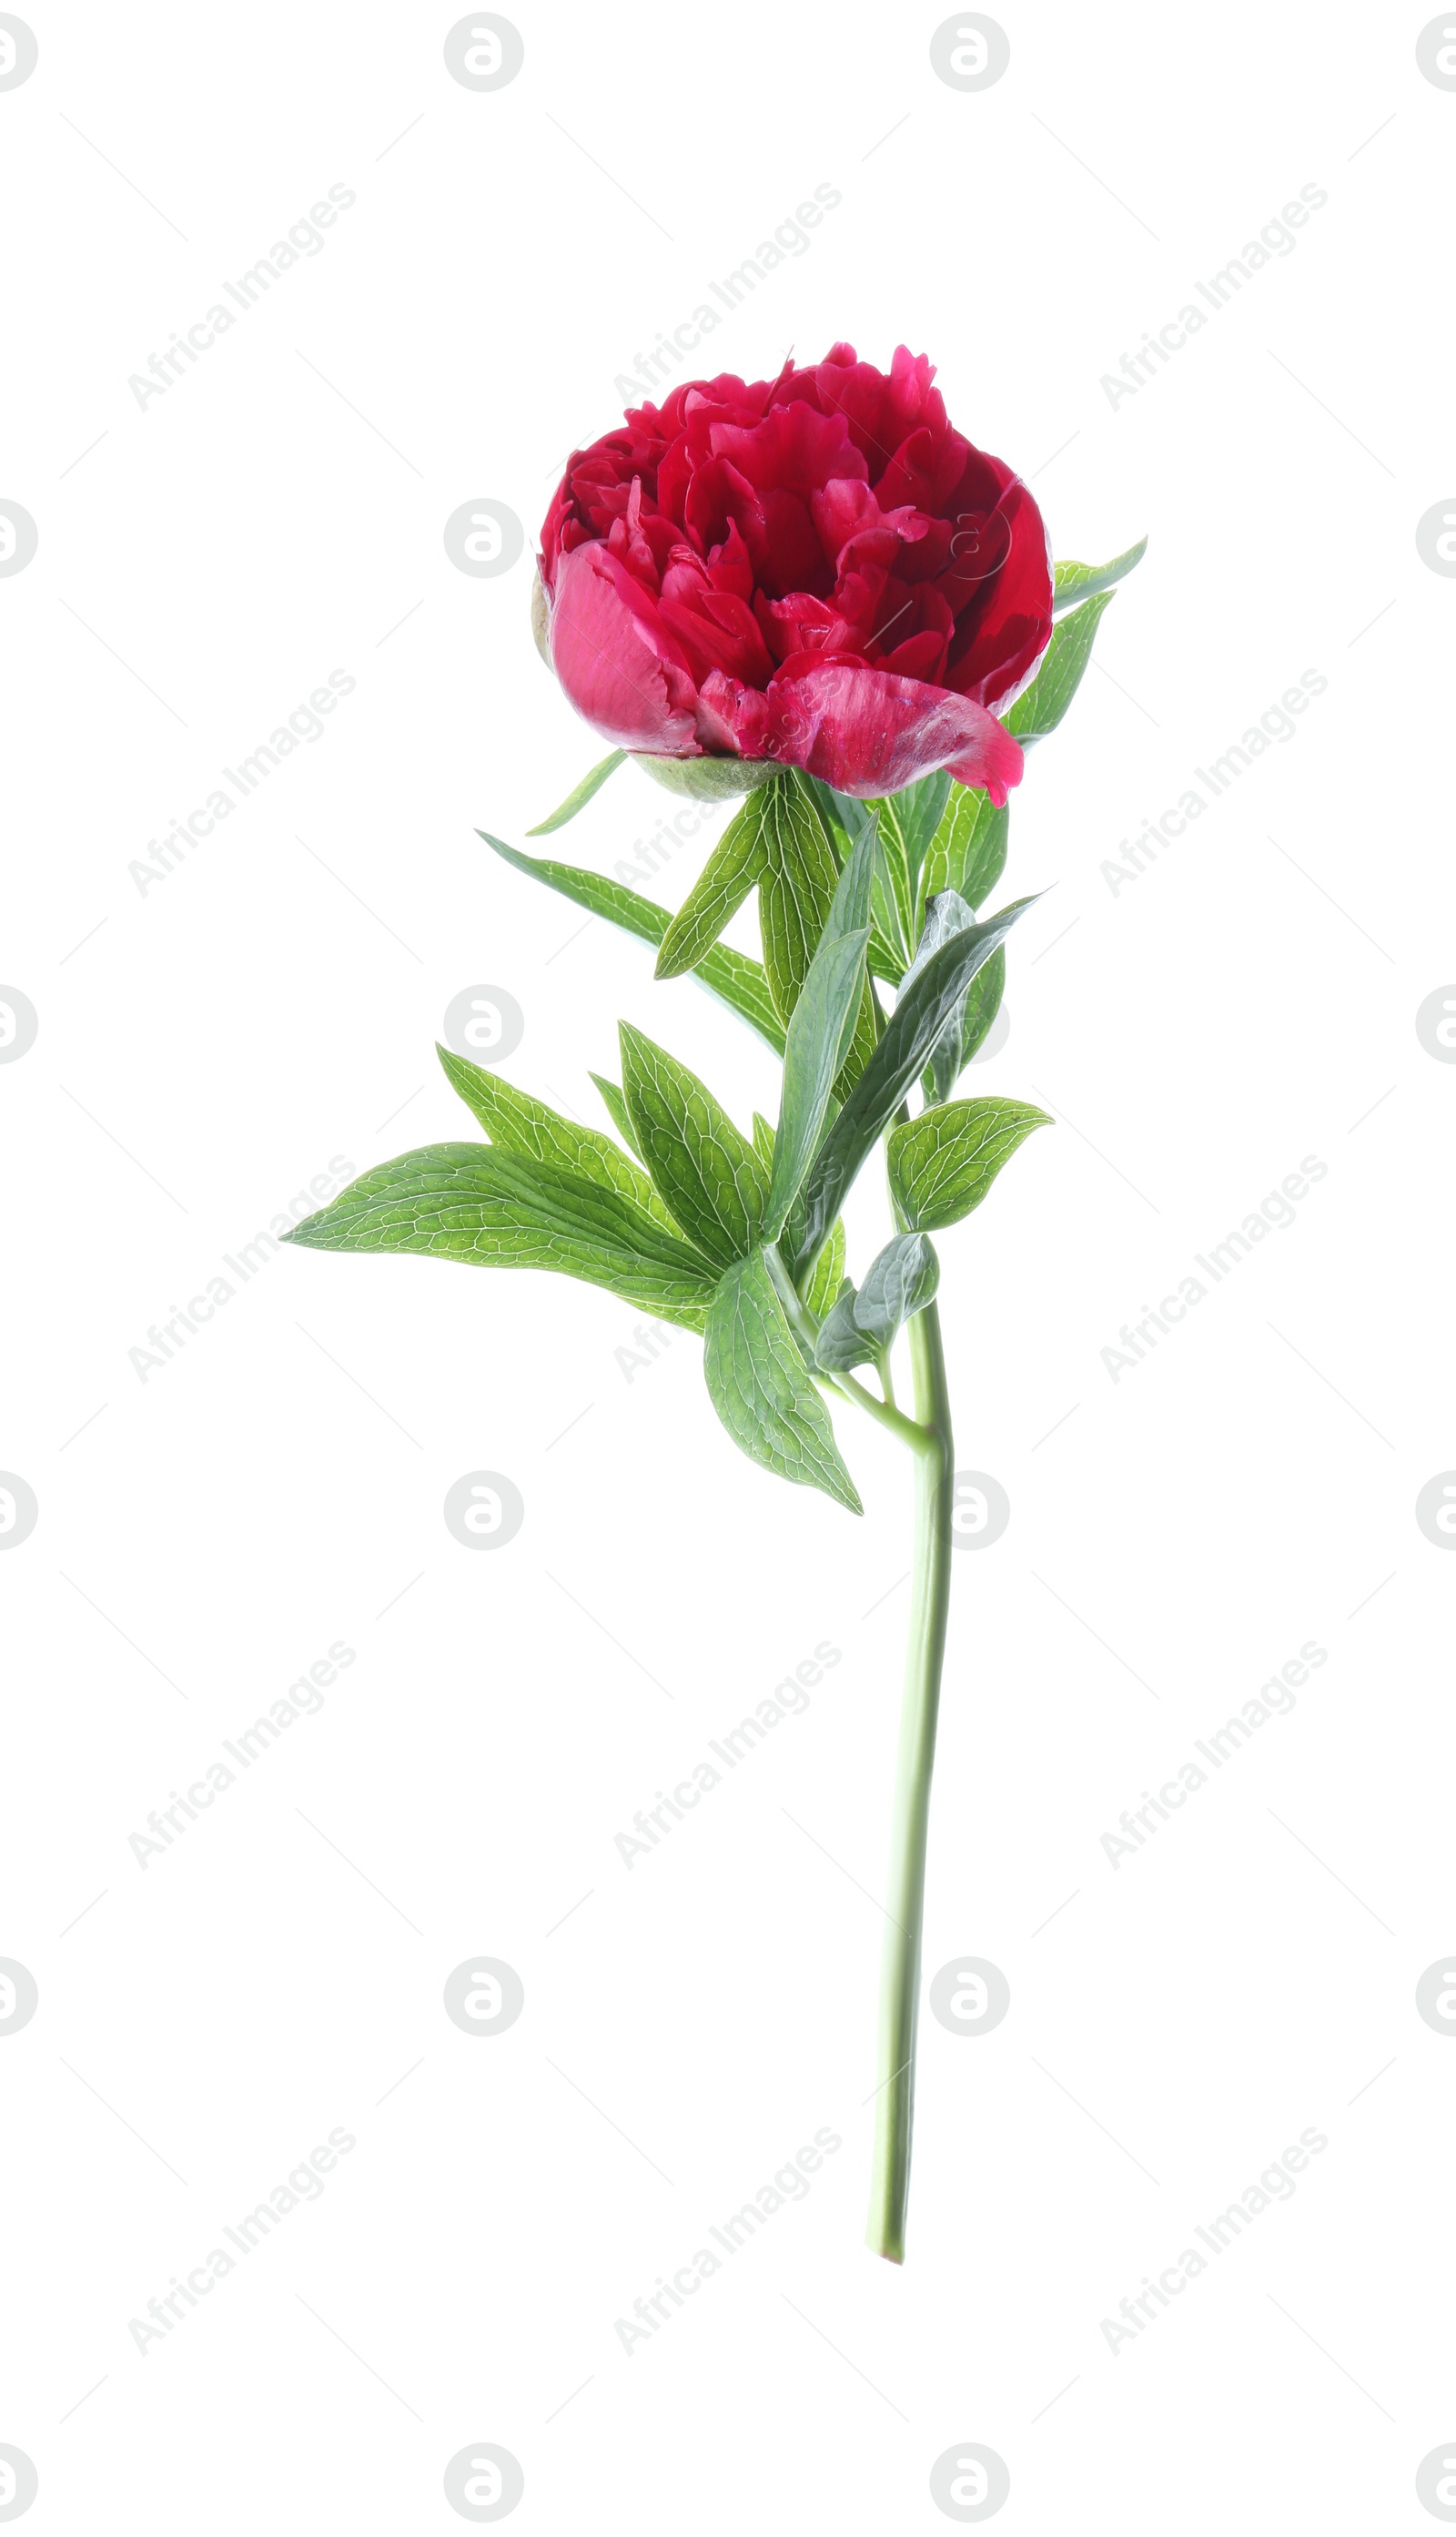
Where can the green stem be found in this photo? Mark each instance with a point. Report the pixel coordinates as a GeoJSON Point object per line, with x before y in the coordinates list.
{"type": "Point", "coordinates": [900, 1982]}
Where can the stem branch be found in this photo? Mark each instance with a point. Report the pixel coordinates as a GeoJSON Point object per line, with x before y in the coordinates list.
{"type": "Point", "coordinates": [905, 1895]}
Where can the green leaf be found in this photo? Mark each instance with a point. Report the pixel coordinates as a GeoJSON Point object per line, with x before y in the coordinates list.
{"type": "Point", "coordinates": [1071, 582]}
{"type": "Point", "coordinates": [707, 1175]}
{"type": "Point", "coordinates": [820, 1031]}
{"type": "Point", "coordinates": [797, 887]}
{"type": "Point", "coordinates": [578, 800]}
{"type": "Point", "coordinates": [899, 1284]}
{"type": "Point", "coordinates": [947, 914]}
{"type": "Point", "coordinates": [829, 1270]}
{"type": "Point", "coordinates": [942, 1163]}
{"type": "Point", "coordinates": [842, 1344]}
{"type": "Point", "coordinates": [914, 814]}
{"type": "Point", "coordinates": [968, 853]}
{"type": "Point", "coordinates": [733, 868]}
{"type": "Point", "coordinates": [487, 1207]}
{"type": "Point", "coordinates": [761, 1388]}
{"type": "Point", "coordinates": [524, 1126]}
{"type": "Point", "coordinates": [925, 1006]}
{"type": "Point", "coordinates": [737, 982]}
{"type": "Point", "coordinates": [979, 1010]}
{"type": "Point", "coordinates": [616, 1109]}
{"type": "Point", "coordinates": [1064, 662]}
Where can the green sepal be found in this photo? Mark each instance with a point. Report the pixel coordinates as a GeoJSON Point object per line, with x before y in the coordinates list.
{"type": "Point", "coordinates": [578, 800]}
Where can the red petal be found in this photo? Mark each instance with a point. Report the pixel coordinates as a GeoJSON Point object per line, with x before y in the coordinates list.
{"type": "Point", "coordinates": [616, 660]}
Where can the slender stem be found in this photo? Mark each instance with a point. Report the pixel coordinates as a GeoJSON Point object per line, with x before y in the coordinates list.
{"type": "Point", "coordinates": [904, 1902]}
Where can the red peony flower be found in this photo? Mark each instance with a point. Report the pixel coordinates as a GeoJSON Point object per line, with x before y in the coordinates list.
{"type": "Point", "coordinates": [816, 570]}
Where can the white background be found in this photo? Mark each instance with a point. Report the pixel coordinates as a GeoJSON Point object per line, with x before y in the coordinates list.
{"type": "Point", "coordinates": [207, 1047]}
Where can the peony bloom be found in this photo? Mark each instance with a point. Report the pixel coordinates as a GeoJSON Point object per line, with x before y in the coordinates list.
{"type": "Point", "coordinates": [817, 571]}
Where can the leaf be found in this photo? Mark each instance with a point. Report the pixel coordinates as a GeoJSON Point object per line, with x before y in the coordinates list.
{"type": "Point", "coordinates": [979, 1010]}
{"type": "Point", "coordinates": [522, 1125]}
{"type": "Point", "coordinates": [947, 914]}
{"type": "Point", "coordinates": [1064, 662]}
{"type": "Point", "coordinates": [842, 1344]}
{"type": "Point", "coordinates": [968, 853]}
{"type": "Point", "coordinates": [737, 982]}
{"type": "Point", "coordinates": [733, 868]}
{"type": "Point", "coordinates": [820, 1031]}
{"type": "Point", "coordinates": [797, 885]}
{"type": "Point", "coordinates": [829, 1269]}
{"type": "Point", "coordinates": [925, 1006]}
{"type": "Point", "coordinates": [482, 1205]}
{"type": "Point", "coordinates": [897, 1285]}
{"type": "Point", "coordinates": [761, 1388]}
{"type": "Point", "coordinates": [707, 1175]}
{"type": "Point", "coordinates": [942, 1163]}
{"type": "Point", "coordinates": [1071, 582]}
{"type": "Point", "coordinates": [617, 1108]}
{"type": "Point", "coordinates": [578, 800]}
{"type": "Point", "coordinates": [915, 813]}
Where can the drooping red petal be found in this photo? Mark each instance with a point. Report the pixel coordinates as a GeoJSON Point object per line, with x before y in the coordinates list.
{"type": "Point", "coordinates": [864, 730]}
